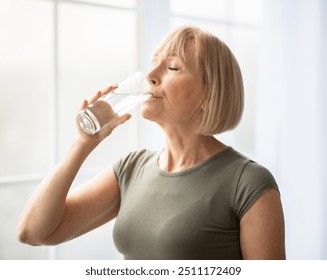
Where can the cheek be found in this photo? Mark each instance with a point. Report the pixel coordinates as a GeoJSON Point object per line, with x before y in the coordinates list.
{"type": "Point", "coordinates": [187, 97]}
{"type": "Point", "coordinates": [177, 93]}
{"type": "Point", "coordinates": [178, 103]}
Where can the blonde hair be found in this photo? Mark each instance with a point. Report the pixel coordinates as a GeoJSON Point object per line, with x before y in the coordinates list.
{"type": "Point", "coordinates": [223, 102]}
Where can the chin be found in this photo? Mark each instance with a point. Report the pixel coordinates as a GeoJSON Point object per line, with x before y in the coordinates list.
{"type": "Point", "coordinates": [146, 114]}
{"type": "Point", "coordinates": [149, 113]}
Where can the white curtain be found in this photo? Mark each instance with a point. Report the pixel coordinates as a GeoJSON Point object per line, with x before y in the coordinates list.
{"type": "Point", "coordinates": [291, 127]}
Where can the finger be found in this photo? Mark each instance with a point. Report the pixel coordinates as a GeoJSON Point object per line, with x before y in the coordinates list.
{"type": "Point", "coordinates": [95, 97]}
{"type": "Point", "coordinates": [123, 118]}
{"type": "Point", "coordinates": [109, 88]}
{"type": "Point", "coordinates": [120, 120]}
{"type": "Point", "coordinates": [102, 92]}
{"type": "Point", "coordinates": [84, 104]}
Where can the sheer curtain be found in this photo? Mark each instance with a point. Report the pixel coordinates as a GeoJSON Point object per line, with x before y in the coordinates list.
{"type": "Point", "coordinates": [291, 124]}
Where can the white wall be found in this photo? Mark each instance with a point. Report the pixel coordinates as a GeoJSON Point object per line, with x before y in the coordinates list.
{"type": "Point", "coordinates": [291, 118]}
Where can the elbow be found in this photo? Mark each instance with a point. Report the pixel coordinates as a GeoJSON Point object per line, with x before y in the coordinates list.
{"type": "Point", "coordinates": [27, 235]}
{"type": "Point", "coordinates": [24, 236]}
{"type": "Point", "coordinates": [31, 237]}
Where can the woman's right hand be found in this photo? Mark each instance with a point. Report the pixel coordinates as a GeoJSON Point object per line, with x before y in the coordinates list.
{"type": "Point", "coordinates": [107, 130]}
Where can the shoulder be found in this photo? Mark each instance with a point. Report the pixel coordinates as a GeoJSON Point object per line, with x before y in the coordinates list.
{"type": "Point", "coordinates": [132, 161]}
{"type": "Point", "coordinates": [253, 181]}
{"type": "Point", "coordinates": [256, 174]}
{"type": "Point", "coordinates": [250, 171]}
{"type": "Point", "coordinates": [137, 156]}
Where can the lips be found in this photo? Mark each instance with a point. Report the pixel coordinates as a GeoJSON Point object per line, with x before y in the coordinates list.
{"type": "Point", "coordinates": [154, 95]}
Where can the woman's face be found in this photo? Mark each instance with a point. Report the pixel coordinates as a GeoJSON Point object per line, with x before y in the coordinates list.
{"type": "Point", "coordinates": [176, 92]}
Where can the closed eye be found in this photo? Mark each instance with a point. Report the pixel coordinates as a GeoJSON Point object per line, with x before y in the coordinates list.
{"type": "Point", "coordinates": [173, 68]}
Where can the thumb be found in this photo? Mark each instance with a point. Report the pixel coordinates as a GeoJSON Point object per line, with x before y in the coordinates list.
{"type": "Point", "coordinates": [120, 120]}
{"type": "Point", "coordinates": [107, 130]}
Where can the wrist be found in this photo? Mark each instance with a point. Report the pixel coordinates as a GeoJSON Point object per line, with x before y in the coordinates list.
{"type": "Point", "coordinates": [85, 145]}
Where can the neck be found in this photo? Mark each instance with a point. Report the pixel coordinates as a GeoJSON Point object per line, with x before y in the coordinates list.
{"type": "Point", "coordinates": [185, 150]}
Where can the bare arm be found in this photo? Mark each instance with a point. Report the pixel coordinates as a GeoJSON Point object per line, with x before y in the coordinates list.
{"type": "Point", "coordinates": [262, 229]}
{"type": "Point", "coordinates": [53, 214]}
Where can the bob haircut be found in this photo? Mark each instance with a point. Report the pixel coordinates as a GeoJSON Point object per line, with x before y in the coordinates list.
{"type": "Point", "coordinates": [222, 105]}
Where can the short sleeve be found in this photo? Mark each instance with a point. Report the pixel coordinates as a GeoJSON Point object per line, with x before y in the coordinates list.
{"type": "Point", "coordinates": [119, 165]}
{"type": "Point", "coordinates": [253, 182]}
{"type": "Point", "coordinates": [129, 167]}
{"type": "Point", "coordinates": [123, 168]}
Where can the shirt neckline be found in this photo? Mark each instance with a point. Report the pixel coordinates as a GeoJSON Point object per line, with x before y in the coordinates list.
{"type": "Point", "coordinates": [191, 169]}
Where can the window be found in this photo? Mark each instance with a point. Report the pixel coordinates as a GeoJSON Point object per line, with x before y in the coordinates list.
{"type": "Point", "coordinates": [54, 54]}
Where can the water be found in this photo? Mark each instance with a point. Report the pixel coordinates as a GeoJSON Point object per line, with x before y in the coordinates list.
{"type": "Point", "coordinates": [99, 114]}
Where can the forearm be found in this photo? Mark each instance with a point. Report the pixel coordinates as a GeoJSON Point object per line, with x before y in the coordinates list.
{"type": "Point", "coordinates": [45, 210]}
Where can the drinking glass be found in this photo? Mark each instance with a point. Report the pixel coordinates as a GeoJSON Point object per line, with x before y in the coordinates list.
{"type": "Point", "coordinates": [130, 93]}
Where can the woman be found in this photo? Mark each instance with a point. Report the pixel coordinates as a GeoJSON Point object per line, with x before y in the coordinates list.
{"type": "Point", "coordinates": [195, 199]}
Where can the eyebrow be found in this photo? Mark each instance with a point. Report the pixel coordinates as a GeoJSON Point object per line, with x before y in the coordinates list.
{"type": "Point", "coordinates": [155, 55]}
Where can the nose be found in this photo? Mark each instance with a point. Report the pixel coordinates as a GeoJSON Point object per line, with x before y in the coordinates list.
{"type": "Point", "coordinates": [152, 82]}
{"type": "Point", "coordinates": [148, 88]}
{"type": "Point", "coordinates": [152, 77]}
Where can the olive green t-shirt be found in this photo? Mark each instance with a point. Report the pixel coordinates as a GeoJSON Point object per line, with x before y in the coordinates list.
{"type": "Point", "coordinates": [191, 214]}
